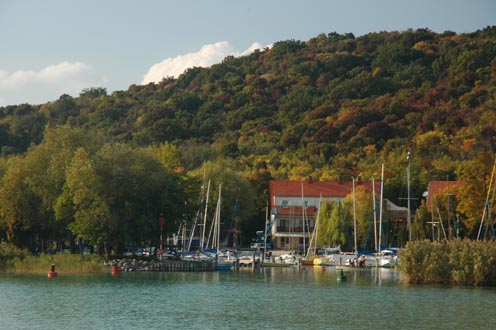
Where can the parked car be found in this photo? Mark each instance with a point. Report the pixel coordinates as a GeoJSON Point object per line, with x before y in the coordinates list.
{"type": "Point", "coordinates": [148, 251]}
{"type": "Point", "coordinates": [260, 245]}
{"type": "Point", "coordinates": [247, 261]}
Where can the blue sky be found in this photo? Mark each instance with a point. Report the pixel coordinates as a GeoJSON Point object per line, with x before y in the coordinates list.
{"type": "Point", "coordinates": [52, 47]}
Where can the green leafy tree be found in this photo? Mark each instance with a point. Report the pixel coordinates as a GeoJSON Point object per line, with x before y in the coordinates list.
{"type": "Point", "coordinates": [122, 192]}
{"type": "Point", "coordinates": [364, 212]}
{"type": "Point", "coordinates": [475, 175]}
{"type": "Point", "coordinates": [19, 205]}
{"type": "Point", "coordinates": [93, 92]}
{"type": "Point", "coordinates": [92, 219]}
{"type": "Point", "coordinates": [170, 156]}
{"type": "Point", "coordinates": [421, 229]}
{"type": "Point", "coordinates": [332, 229]}
{"type": "Point", "coordinates": [41, 176]}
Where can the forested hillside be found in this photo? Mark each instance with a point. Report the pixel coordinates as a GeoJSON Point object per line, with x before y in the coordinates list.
{"type": "Point", "coordinates": [335, 105]}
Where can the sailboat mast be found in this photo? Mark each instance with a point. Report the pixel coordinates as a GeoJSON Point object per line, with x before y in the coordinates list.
{"type": "Point", "coordinates": [317, 225]}
{"type": "Point", "coordinates": [354, 215]}
{"type": "Point", "coordinates": [218, 218]}
{"type": "Point", "coordinates": [214, 229]}
{"type": "Point", "coordinates": [204, 227]}
{"type": "Point", "coordinates": [315, 233]}
{"type": "Point", "coordinates": [409, 216]}
{"type": "Point", "coordinates": [303, 217]}
{"type": "Point", "coordinates": [380, 207]}
{"type": "Point", "coordinates": [199, 215]}
{"type": "Point", "coordinates": [265, 232]}
{"type": "Point", "coordinates": [375, 214]}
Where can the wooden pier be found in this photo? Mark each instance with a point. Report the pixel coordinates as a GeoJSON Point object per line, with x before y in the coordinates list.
{"type": "Point", "coordinates": [127, 265]}
{"type": "Point", "coordinates": [182, 266]}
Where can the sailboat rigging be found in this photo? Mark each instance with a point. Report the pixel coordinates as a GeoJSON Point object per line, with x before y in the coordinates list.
{"type": "Point", "coordinates": [487, 208]}
{"type": "Point", "coordinates": [204, 225]}
{"type": "Point", "coordinates": [310, 257]}
{"type": "Point", "coordinates": [354, 217]}
{"type": "Point", "coordinates": [198, 218]}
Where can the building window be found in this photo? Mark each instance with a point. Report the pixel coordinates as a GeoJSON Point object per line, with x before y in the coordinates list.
{"type": "Point", "coordinates": [284, 204]}
{"type": "Point", "coordinates": [284, 242]}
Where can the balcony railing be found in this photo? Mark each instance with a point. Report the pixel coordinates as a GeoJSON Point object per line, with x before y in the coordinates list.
{"type": "Point", "coordinates": [281, 229]}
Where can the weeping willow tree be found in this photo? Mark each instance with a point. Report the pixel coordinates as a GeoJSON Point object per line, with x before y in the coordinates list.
{"type": "Point", "coordinates": [332, 228]}
{"type": "Point", "coordinates": [336, 221]}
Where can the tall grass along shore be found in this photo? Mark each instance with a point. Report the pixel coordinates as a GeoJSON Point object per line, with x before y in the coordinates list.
{"type": "Point", "coordinates": [17, 260]}
{"type": "Point", "coordinates": [459, 262]}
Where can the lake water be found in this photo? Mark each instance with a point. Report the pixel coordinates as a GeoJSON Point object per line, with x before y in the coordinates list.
{"type": "Point", "coordinates": [272, 298]}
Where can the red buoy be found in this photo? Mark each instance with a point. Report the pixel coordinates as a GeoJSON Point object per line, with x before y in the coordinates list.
{"type": "Point", "coordinates": [115, 269]}
{"type": "Point", "coordinates": [52, 272]}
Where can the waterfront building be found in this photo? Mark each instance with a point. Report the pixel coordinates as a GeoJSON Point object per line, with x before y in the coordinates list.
{"type": "Point", "coordinates": [442, 192]}
{"type": "Point", "coordinates": [447, 188]}
{"type": "Point", "coordinates": [296, 203]}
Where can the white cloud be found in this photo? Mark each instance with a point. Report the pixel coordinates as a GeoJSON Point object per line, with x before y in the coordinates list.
{"type": "Point", "coordinates": [208, 55]}
{"type": "Point", "coordinates": [16, 79]}
{"type": "Point", "coordinates": [53, 74]}
{"type": "Point", "coordinates": [47, 84]}
{"type": "Point", "coordinates": [254, 46]}
{"type": "Point", "coordinates": [63, 71]}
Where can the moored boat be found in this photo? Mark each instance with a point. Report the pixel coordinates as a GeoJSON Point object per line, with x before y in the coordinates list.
{"type": "Point", "coordinates": [386, 258]}
{"type": "Point", "coordinates": [223, 266]}
{"type": "Point", "coordinates": [313, 261]}
{"type": "Point", "coordinates": [289, 259]}
{"type": "Point", "coordinates": [338, 259]}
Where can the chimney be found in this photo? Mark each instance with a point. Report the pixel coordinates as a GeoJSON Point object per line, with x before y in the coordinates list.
{"type": "Point", "coordinates": [310, 179]}
{"type": "Point", "coordinates": [340, 180]}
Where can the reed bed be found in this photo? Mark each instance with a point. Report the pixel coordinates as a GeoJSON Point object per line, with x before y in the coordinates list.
{"type": "Point", "coordinates": [459, 262]}
{"type": "Point", "coordinates": [64, 263]}
{"type": "Point", "coordinates": [16, 260]}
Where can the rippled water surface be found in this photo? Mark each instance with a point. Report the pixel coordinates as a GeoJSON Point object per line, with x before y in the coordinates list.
{"type": "Point", "coordinates": [273, 298]}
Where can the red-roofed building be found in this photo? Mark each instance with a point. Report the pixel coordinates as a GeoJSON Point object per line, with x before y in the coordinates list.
{"type": "Point", "coordinates": [294, 201]}
{"type": "Point", "coordinates": [437, 187]}
{"type": "Point", "coordinates": [443, 190]}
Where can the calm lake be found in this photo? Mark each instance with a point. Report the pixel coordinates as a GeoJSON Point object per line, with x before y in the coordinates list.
{"type": "Point", "coordinates": [271, 298]}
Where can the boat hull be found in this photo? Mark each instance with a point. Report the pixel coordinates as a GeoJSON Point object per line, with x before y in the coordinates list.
{"type": "Point", "coordinates": [223, 267]}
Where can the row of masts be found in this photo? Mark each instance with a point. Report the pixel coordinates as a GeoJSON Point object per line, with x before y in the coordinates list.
{"type": "Point", "coordinates": [377, 233]}
{"type": "Point", "coordinates": [211, 241]}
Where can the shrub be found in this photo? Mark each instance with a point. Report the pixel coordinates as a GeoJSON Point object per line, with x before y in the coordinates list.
{"type": "Point", "coordinates": [9, 255]}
